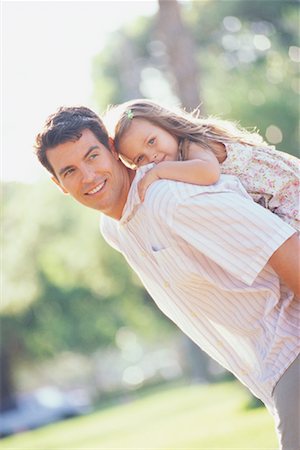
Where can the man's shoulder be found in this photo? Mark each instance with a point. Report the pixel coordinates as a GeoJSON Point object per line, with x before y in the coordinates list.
{"type": "Point", "coordinates": [109, 230]}
{"type": "Point", "coordinates": [164, 194]}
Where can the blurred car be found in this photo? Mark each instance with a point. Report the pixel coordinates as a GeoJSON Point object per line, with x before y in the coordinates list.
{"type": "Point", "coordinates": [42, 407]}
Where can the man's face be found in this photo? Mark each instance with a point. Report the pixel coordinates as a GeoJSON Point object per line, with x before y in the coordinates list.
{"type": "Point", "coordinates": [91, 174]}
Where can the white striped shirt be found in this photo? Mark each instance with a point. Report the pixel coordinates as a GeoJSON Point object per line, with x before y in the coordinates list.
{"type": "Point", "coordinates": [203, 257]}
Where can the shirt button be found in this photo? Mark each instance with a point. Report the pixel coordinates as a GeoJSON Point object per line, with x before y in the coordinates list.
{"type": "Point", "coordinates": [166, 284]}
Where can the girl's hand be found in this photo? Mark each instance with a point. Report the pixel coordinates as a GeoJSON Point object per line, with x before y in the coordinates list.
{"type": "Point", "coordinates": [144, 183]}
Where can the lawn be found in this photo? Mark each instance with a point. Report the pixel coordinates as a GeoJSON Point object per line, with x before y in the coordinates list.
{"type": "Point", "coordinates": [186, 417]}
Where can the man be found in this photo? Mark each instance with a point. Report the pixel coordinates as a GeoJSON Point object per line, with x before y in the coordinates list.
{"type": "Point", "coordinates": [221, 267]}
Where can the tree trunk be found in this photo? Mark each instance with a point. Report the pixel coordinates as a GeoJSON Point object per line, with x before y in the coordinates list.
{"type": "Point", "coordinates": [197, 361]}
{"type": "Point", "coordinates": [181, 53]}
{"type": "Point", "coordinates": [6, 379]}
{"type": "Point", "coordinates": [129, 70]}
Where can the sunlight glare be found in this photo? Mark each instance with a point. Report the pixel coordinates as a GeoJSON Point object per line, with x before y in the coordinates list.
{"type": "Point", "coordinates": [47, 52]}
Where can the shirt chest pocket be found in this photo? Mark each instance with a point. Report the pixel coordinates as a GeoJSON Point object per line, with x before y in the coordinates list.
{"type": "Point", "coordinates": [176, 266]}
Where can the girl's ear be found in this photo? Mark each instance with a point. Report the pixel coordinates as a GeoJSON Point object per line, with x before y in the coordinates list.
{"type": "Point", "coordinates": [113, 148]}
{"type": "Point", "coordinates": [55, 180]}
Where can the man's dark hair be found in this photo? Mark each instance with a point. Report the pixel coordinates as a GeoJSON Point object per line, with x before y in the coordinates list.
{"type": "Point", "coordinates": [65, 125]}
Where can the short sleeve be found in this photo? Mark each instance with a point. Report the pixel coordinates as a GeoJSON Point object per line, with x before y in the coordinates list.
{"type": "Point", "coordinates": [234, 232]}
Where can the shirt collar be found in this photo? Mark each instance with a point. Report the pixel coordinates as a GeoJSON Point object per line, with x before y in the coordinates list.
{"type": "Point", "coordinates": [133, 200]}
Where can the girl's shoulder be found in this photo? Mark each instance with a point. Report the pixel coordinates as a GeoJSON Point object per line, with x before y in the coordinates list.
{"type": "Point", "coordinates": [238, 155]}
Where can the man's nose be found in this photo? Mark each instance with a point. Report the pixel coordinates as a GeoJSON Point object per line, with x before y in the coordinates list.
{"type": "Point", "coordinates": [88, 174]}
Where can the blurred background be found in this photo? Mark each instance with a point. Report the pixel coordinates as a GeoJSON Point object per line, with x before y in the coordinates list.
{"type": "Point", "coordinates": [78, 331]}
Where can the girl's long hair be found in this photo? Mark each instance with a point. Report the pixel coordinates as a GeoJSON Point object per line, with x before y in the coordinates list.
{"type": "Point", "coordinates": [188, 127]}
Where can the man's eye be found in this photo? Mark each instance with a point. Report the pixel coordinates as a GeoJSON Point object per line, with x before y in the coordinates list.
{"type": "Point", "coordinates": [151, 141]}
{"type": "Point", "coordinates": [68, 172]}
{"type": "Point", "coordinates": [93, 156]}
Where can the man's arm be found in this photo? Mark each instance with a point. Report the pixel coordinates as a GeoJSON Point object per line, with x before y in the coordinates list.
{"type": "Point", "coordinates": [286, 263]}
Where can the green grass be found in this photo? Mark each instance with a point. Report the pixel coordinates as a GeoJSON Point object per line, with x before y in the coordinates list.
{"type": "Point", "coordinates": [186, 417]}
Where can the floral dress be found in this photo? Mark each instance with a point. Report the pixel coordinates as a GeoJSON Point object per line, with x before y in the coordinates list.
{"type": "Point", "coordinates": [271, 178]}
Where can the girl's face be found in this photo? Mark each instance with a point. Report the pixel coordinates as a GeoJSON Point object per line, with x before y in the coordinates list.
{"type": "Point", "coordinates": [144, 143]}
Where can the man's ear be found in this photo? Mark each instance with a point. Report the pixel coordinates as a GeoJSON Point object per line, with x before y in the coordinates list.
{"type": "Point", "coordinates": [55, 180]}
{"type": "Point", "coordinates": [113, 148]}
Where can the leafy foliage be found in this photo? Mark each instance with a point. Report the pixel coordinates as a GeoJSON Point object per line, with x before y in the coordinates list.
{"type": "Point", "coordinates": [246, 53]}
{"type": "Point", "coordinates": [64, 287]}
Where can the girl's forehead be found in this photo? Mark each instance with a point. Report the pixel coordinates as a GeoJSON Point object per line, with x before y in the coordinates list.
{"type": "Point", "coordinates": [140, 124]}
{"type": "Point", "coordinates": [137, 133]}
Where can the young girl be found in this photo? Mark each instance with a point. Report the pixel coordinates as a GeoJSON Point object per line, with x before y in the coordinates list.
{"type": "Point", "coordinates": [185, 147]}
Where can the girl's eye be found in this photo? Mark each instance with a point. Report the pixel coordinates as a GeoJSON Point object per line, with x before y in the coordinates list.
{"type": "Point", "coordinates": [151, 141]}
{"type": "Point", "coordinates": [139, 159]}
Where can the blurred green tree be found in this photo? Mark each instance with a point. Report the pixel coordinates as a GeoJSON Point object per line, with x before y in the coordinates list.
{"type": "Point", "coordinates": [63, 287]}
{"type": "Point", "coordinates": [246, 63]}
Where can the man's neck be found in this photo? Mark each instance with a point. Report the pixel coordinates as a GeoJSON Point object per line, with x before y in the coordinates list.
{"type": "Point", "coordinates": [129, 175]}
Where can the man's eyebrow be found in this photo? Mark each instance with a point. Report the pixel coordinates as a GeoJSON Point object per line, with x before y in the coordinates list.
{"type": "Point", "coordinates": [64, 169]}
{"type": "Point", "coordinates": [93, 147]}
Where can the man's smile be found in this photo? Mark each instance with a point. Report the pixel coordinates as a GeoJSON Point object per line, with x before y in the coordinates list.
{"type": "Point", "coordinates": [96, 189]}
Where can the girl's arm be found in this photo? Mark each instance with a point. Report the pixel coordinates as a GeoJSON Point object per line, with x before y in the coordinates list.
{"type": "Point", "coordinates": [202, 167]}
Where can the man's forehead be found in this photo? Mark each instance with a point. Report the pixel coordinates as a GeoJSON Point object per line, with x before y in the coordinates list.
{"type": "Point", "coordinates": [83, 143]}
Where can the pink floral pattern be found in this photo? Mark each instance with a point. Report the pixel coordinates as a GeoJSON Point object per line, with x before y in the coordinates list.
{"type": "Point", "coordinates": [271, 177]}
